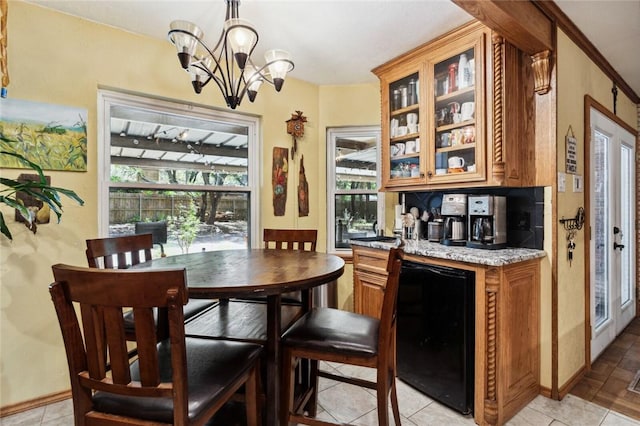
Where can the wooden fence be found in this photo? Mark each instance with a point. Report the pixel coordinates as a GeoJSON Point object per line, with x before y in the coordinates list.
{"type": "Point", "coordinates": [137, 207]}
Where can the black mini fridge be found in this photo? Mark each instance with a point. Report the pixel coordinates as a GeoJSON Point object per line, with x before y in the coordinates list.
{"type": "Point", "coordinates": [436, 333]}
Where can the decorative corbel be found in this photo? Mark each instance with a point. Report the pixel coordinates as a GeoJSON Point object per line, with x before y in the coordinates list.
{"type": "Point", "coordinates": [542, 71]}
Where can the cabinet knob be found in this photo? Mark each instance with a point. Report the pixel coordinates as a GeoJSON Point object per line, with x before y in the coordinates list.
{"type": "Point", "coordinates": [429, 173]}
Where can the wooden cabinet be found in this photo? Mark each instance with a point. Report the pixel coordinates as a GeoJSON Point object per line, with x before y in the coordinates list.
{"type": "Point", "coordinates": [507, 352]}
{"type": "Point", "coordinates": [369, 280]}
{"type": "Point", "coordinates": [439, 129]}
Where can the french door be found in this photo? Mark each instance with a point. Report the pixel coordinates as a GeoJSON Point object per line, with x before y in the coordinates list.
{"type": "Point", "coordinates": [612, 218]}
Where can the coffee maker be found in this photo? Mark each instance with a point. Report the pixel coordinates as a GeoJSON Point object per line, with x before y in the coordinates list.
{"type": "Point", "coordinates": [487, 222]}
{"type": "Point", "coordinates": [454, 212]}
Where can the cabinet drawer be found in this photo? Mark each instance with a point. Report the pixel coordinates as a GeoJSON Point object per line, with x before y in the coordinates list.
{"type": "Point", "coordinates": [368, 259]}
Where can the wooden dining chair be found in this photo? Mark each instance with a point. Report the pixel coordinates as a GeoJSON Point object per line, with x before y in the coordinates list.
{"type": "Point", "coordinates": [124, 251]}
{"type": "Point", "coordinates": [327, 334]}
{"type": "Point", "coordinates": [176, 381]}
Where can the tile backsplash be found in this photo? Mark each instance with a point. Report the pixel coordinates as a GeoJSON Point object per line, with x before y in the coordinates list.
{"type": "Point", "coordinates": [525, 211]}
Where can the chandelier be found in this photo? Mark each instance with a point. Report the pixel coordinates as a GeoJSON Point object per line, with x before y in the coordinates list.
{"type": "Point", "coordinates": [229, 63]}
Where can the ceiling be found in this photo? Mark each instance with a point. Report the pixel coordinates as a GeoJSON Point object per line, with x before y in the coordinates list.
{"type": "Point", "coordinates": [338, 42]}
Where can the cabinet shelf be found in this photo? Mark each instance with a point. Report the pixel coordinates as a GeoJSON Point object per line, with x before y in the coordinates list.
{"type": "Point", "coordinates": [456, 148]}
{"type": "Point", "coordinates": [405, 156]}
{"type": "Point", "coordinates": [406, 137]}
{"type": "Point", "coordinates": [455, 95]}
{"type": "Point", "coordinates": [405, 110]}
{"type": "Point", "coordinates": [447, 127]}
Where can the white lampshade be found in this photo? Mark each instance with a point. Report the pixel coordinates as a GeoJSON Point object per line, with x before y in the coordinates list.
{"type": "Point", "coordinates": [184, 35]}
{"type": "Point", "coordinates": [278, 63]}
{"type": "Point", "coordinates": [242, 38]}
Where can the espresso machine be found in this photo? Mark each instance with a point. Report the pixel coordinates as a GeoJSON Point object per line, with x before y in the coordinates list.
{"type": "Point", "coordinates": [487, 222]}
{"type": "Point", "coordinates": [454, 213]}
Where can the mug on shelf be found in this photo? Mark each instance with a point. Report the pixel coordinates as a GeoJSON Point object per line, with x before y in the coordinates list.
{"type": "Point", "coordinates": [410, 147]}
{"type": "Point", "coordinates": [397, 149]}
{"type": "Point", "coordinates": [445, 139]}
{"type": "Point", "coordinates": [456, 162]}
{"type": "Point", "coordinates": [412, 118]}
{"type": "Point", "coordinates": [402, 131]}
{"type": "Point", "coordinates": [466, 110]}
{"type": "Point", "coordinates": [413, 127]}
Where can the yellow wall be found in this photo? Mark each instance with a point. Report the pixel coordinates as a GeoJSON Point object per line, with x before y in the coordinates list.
{"type": "Point", "coordinates": [577, 76]}
{"type": "Point", "coordinates": [59, 59]}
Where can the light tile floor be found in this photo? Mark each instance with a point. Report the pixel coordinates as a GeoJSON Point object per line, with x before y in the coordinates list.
{"type": "Point", "coordinates": [339, 402]}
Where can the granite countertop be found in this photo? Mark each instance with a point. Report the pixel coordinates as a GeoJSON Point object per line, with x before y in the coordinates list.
{"type": "Point", "coordinates": [461, 254]}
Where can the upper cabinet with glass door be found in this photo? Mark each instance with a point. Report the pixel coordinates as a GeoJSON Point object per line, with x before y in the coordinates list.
{"type": "Point", "coordinates": [457, 143]}
{"type": "Point", "coordinates": [403, 113]}
{"type": "Point", "coordinates": [438, 140]}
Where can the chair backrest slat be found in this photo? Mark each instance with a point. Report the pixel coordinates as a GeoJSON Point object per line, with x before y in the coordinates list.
{"type": "Point", "coordinates": [102, 295]}
{"type": "Point", "coordinates": [290, 239]}
{"type": "Point", "coordinates": [126, 249]}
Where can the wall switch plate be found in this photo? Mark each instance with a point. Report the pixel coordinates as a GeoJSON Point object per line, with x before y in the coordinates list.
{"type": "Point", "coordinates": [578, 183]}
{"type": "Point", "coordinates": [562, 181]}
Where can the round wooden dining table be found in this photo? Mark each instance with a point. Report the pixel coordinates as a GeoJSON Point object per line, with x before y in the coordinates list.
{"type": "Point", "coordinates": [253, 272]}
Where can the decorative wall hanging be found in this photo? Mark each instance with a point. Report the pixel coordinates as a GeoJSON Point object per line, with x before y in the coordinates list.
{"type": "Point", "coordinates": [4, 68]}
{"type": "Point", "coordinates": [295, 127]}
{"type": "Point", "coordinates": [303, 191]}
{"type": "Point", "coordinates": [279, 175]}
{"type": "Point", "coordinates": [572, 157]}
{"type": "Point", "coordinates": [52, 136]}
{"type": "Point", "coordinates": [39, 211]}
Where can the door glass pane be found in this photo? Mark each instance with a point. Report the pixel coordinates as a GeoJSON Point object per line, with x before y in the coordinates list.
{"type": "Point", "coordinates": [626, 206]}
{"type": "Point", "coordinates": [355, 193]}
{"type": "Point", "coordinates": [601, 219]}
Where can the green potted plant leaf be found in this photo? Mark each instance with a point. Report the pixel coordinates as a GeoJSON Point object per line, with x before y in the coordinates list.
{"type": "Point", "coordinates": [38, 189]}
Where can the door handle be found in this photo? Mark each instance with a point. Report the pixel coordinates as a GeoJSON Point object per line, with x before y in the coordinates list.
{"type": "Point", "coordinates": [618, 246]}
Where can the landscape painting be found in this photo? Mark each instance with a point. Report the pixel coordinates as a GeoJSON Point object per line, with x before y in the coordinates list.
{"type": "Point", "coordinates": [52, 136]}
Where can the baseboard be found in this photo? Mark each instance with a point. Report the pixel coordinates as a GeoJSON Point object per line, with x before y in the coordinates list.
{"type": "Point", "coordinates": [34, 403]}
{"type": "Point", "coordinates": [564, 389]}
{"type": "Point", "coordinates": [545, 391]}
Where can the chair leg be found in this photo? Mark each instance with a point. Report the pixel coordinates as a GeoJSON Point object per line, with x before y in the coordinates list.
{"type": "Point", "coordinates": [252, 397]}
{"type": "Point", "coordinates": [287, 379]}
{"type": "Point", "coordinates": [394, 401]}
{"type": "Point", "coordinates": [312, 404]}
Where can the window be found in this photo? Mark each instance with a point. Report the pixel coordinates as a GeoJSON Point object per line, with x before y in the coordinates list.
{"type": "Point", "coordinates": [186, 174]}
{"type": "Point", "coordinates": [355, 207]}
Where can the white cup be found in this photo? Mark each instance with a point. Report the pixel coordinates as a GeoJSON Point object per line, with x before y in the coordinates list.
{"type": "Point", "coordinates": [412, 118]}
{"type": "Point", "coordinates": [466, 110]}
{"type": "Point", "coordinates": [399, 147]}
{"type": "Point", "coordinates": [410, 147]}
{"type": "Point", "coordinates": [402, 131]}
{"type": "Point", "coordinates": [471, 168]}
{"type": "Point", "coordinates": [413, 127]}
{"type": "Point", "coordinates": [456, 162]}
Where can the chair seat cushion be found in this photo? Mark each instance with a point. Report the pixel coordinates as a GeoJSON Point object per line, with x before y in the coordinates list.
{"type": "Point", "coordinates": [335, 330]}
{"type": "Point", "coordinates": [212, 366]}
{"type": "Point", "coordinates": [191, 309]}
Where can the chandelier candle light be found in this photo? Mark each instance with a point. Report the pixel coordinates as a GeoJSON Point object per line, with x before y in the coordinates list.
{"type": "Point", "coordinates": [229, 63]}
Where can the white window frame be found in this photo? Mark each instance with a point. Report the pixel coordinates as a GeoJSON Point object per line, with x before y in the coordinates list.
{"type": "Point", "coordinates": [107, 99]}
{"type": "Point", "coordinates": [333, 134]}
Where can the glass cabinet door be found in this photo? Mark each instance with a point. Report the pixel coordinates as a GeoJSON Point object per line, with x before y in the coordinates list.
{"type": "Point", "coordinates": [457, 130]}
{"type": "Point", "coordinates": [405, 165]}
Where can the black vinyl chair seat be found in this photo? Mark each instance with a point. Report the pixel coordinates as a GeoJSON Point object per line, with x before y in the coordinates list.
{"type": "Point", "coordinates": [212, 366]}
{"type": "Point", "coordinates": [334, 330]}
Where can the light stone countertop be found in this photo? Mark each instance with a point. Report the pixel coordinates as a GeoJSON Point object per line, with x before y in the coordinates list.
{"type": "Point", "coordinates": [461, 254]}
